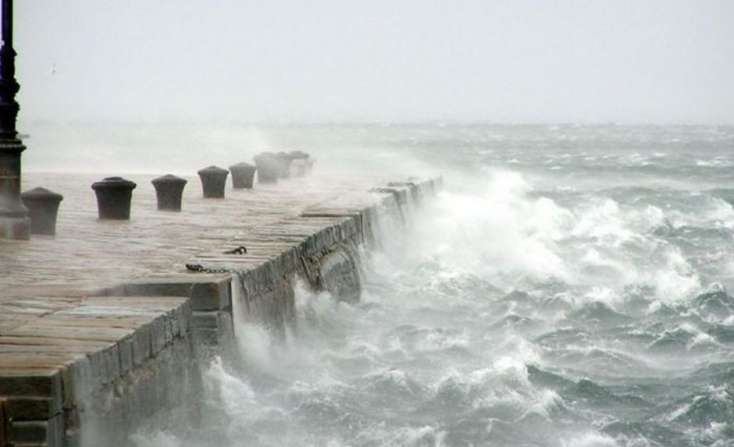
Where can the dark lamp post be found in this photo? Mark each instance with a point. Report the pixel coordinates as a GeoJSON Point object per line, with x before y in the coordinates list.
{"type": "Point", "coordinates": [14, 221]}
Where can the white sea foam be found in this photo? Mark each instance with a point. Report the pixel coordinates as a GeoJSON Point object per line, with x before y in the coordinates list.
{"type": "Point", "coordinates": [232, 392]}
{"type": "Point", "coordinates": [502, 230]}
{"type": "Point", "coordinates": [157, 439]}
{"type": "Point", "coordinates": [589, 440]}
{"type": "Point", "coordinates": [714, 163]}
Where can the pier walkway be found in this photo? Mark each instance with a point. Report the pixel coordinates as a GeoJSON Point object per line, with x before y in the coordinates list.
{"type": "Point", "coordinates": [96, 322]}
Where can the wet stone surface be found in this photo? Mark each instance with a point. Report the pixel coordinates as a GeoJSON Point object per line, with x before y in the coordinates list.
{"type": "Point", "coordinates": [53, 329]}
{"type": "Point", "coordinates": [90, 253]}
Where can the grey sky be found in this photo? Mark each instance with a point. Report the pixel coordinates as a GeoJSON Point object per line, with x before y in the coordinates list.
{"type": "Point", "coordinates": [385, 60]}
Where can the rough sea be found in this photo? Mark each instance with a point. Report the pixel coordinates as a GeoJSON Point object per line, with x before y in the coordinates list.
{"type": "Point", "coordinates": [571, 287]}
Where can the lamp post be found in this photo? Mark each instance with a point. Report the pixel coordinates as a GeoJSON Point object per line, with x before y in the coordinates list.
{"type": "Point", "coordinates": [14, 221]}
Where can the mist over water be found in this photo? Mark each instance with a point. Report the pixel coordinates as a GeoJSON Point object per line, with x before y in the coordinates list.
{"type": "Point", "coordinates": [570, 287]}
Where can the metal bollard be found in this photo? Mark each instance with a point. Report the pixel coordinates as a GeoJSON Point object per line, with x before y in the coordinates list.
{"type": "Point", "coordinates": [43, 207]}
{"type": "Point", "coordinates": [242, 175]}
{"type": "Point", "coordinates": [300, 163]}
{"type": "Point", "coordinates": [114, 195]}
{"type": "Point", "coordinates": [267, 167]}
{"type": "Point", "coordinates": [213, 180]}
{"type": "Point", "coordinates": [169, 190]}
{"type": "Point", "coordinates": [284, 164]}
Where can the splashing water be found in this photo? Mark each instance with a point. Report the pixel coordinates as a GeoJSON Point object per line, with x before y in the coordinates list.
{"type": "Point", "coordinates": [570, 307]}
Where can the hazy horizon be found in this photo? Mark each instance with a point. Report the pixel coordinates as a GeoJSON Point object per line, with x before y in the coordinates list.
{"type": "Point", "coordinates": [328, 62]}
{"type": "Point", "coordinates": [377, 123]}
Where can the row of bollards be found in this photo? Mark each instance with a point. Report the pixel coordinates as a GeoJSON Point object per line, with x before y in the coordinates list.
{"type": "Point", "coordinates": [114, 194]}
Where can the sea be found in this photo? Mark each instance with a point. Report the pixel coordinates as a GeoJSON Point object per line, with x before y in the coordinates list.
{"type": "Point", "coordinates": [571, 286]}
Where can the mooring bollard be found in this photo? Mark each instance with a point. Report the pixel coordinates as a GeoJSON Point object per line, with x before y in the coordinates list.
{"type": "Point", "coordinates": [242, 175]}
{"type": "Point", "coordinates": [213, 180]}
{"type": "Point", "coordinates": [168, 190]}
{"type": "Point", "coordinates": [298, 167]}
{"type": "Point", "coordinates": [284, 164]}
{"type": "Point", "coordinates": [267, 167]}
{"type": "Point", "coordinates": [43, 207]}
{"type": "Point", "coordinates": [114, 195]}
{"type": "Point", "coordinates": [300, 163]}
{"type": "Point", "coordinates": [298, 155]}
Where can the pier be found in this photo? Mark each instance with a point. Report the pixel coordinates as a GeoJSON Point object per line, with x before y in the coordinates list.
{"type": "Point", "coordinates": [111, 321]}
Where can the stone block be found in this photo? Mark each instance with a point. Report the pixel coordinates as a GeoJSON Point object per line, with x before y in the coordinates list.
{"type": "Point", "coordinates": [125, 349]}
{"type": "Point", "coordinates": [158, 336]}
{"type": "Point", "coordinates": [4, 424]}
{"type": "Point", "coordinates": [171, 327]}
{"type": "Point", "coordinates": [339, 275]}
{"type": "Point", "coordinates": [28, 408]}
{"type": "Point", "coordinates": [34, 383]}
{"type": "Point", "coordinates": [207, 292]}
{"type": "Point", "coordinates": [47, 432]}
{"type": "Point", "coordinates": [76, 380]}
{"type": "Point", "coordinates": [207, 336]}
{"type": "Point", "coordinates": [104, 367]}
{"type": "Point", "coordinates": [184, 316]}
{"type": "Point", "coordinates": [142, 344]}
{"type": "Point", "coordinates": [112, 363]}
{"type": "Point", "coordinates": [205, 320]}
{"type": "Point", "coordinates": [225, 324]}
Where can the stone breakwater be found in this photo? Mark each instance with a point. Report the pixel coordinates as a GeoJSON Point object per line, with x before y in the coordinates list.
{"type": "Point", "coordinates": [110, 323]}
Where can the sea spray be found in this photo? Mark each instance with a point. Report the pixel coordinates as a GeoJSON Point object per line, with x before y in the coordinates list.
{"type": "Point", "coordinates": [588, 305]}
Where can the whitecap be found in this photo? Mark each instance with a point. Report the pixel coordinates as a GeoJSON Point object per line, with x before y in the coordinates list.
{"type": "Point", "coordinates": [591, 439]}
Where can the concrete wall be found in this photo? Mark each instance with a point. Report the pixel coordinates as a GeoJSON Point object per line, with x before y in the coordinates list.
{"type": "Point", "coordinates": [328, 259]}
{"type": "Point", "coordinates": [95, 369]}
{"type": "Point", "coordinates": [104, 397]}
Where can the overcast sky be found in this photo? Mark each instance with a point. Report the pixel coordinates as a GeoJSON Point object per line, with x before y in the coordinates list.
{"type": "Point", "coordinates": [376, 60]}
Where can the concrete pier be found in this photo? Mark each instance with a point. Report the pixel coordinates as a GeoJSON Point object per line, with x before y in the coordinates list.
{"type": "Point", "coordinates": [108, 323]}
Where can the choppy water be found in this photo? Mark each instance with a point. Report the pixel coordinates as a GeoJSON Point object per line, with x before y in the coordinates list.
{"type": "Point", "coordinates": [571, 287]}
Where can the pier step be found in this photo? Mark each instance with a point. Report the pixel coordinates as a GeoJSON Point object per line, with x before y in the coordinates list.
{"type": "Point", "coordinates": [60, 355]}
